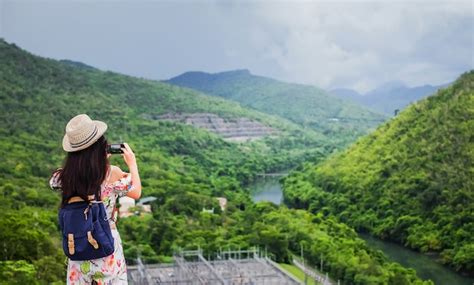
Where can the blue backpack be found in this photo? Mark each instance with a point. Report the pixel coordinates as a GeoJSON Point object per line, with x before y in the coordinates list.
{"type": "Point", "coordinates": [86, 230]}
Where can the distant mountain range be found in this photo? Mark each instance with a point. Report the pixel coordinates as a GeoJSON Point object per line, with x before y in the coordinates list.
{"type": "Point", "coordinates": [306, 105]}
{"type": "Point", "coordinates": [388, 97]}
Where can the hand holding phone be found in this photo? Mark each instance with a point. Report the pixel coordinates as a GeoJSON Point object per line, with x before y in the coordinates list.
{"type": "Point", "coordinates": [115, 148]}
{"type": "Point", "coordinates": [128, 156]}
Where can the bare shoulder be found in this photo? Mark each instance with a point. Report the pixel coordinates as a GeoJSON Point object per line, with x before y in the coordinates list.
{"type": "Point", "coordinates": [116, 169]}
{"type": "Point", "coordinates": [116, 173]}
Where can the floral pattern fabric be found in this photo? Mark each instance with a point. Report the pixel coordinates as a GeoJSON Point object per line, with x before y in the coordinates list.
{"type": "Point", "coordinates": [110, 269]}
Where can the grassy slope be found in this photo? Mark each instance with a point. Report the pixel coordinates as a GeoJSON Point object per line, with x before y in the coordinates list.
{"type": "Point", "coordinates": [303, 104]}
{"type": "Point", "coordinates": [298, 273]}
{"type": "Point", "coordinates": [410, 181]}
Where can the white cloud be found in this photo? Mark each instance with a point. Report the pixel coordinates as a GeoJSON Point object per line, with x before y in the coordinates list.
{"type": "Point", "coordinates": [354, 44]}
{"type": "Point", "coordinates": [361, 45]}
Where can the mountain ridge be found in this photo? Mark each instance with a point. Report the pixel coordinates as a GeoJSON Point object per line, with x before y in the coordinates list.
{"type": "Point", "coordinates": [306, 105]}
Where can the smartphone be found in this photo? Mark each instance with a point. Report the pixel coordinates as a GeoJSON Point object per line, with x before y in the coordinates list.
{"type": "Point", "coordinates": [115, 148]}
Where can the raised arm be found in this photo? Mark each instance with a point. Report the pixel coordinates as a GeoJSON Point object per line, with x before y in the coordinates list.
{"type": "Point", "coordinates": [136, 185]}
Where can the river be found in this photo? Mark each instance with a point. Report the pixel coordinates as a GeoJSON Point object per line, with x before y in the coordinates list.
{"type": "Point", "coordinates": [424, 265]}
{"type": "Point", "coordinates": [268, 188]}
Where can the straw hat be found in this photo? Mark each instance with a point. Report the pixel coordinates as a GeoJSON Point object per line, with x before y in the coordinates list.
{"type": "Point", "coordinates": [82, 132]}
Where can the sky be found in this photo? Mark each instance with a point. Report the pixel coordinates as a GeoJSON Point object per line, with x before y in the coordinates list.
{"type": "Point", "coordinates": [330, 44]}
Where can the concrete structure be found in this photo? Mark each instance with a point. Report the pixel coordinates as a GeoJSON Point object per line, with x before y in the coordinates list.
{"type": "Point", "coordinates": [225, 268]}
{"type": "Point", "coordinates": [125, 204]}
{"type": "Point", "coordinates": [222, 202]}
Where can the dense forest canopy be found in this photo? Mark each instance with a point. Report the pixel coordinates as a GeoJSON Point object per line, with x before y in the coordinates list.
{"type": "Point", "coordinates": [410, 181]}
{"type": "Point", "coordinates": [183, 167]}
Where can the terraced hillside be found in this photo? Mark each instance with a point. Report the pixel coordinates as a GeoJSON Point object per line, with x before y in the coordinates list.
{"type": "Point", "coordinates": [312, 107]}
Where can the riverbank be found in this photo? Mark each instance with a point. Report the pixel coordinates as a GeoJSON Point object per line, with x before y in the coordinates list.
{"type": "Point", "coordinates": [426, 266]}
{"type": "Point", "coordinates": [269, 189]}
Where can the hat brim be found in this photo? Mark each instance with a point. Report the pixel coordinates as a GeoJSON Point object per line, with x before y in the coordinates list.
{"type": "Point", "coordinates": [101, 128]}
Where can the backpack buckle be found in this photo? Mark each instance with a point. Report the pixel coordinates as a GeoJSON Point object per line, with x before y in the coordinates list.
{"type": "Point", "coordinates": [91, 240]}
{"type": "Point", "coordinates": [70, 243]}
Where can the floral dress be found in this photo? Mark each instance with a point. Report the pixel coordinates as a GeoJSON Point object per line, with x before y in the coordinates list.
{"type": "Point", "coordinates": [110, 269]}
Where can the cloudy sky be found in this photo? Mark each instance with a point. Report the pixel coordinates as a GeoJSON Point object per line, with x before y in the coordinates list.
{"type": "Point", "coordinates": [332, 44]}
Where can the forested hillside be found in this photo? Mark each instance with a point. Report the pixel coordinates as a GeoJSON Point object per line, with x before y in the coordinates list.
{"type": "Point", "coordinates": [185, 168]}
{"type": "Point", "coordinates": [39, 96]}
{"type": "Point", "coordinates": [309, 106]}
{"type": "Point", "coordinates": [411, 181]}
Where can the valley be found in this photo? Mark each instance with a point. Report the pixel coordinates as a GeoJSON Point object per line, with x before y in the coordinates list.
{"type": "Point", "coordinates": [427, 267]}
{"type": "Point", "coordinates": [193, 147]}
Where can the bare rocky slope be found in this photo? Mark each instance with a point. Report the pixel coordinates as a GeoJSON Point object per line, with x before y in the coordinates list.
{"type": "Point", "coordinates": [234, 129]}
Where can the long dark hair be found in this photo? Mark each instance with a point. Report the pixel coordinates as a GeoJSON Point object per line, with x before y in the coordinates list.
{"type": "Point", "coordinates": [84, 171]}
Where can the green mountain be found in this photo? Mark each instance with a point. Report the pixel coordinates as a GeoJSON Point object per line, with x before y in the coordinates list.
{"type": "Point", "coordinates": [52, 92]}
{"type": "Point", "coordinates": [306, 105]}
{"type": "Point", "coordinates": [184, 167]}
{"type": "Point", "coordinates": [410, 181]}
{"type": "Point", "coordinates": [77, 64]}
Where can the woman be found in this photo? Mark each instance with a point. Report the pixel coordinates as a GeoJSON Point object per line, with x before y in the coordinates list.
{"type": "Point", "coordinates": [86, 172]}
